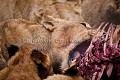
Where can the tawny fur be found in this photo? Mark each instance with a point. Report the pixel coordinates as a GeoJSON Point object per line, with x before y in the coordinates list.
{"type": "Point", "coordinates": [65, 37]}
{"type": "Point", "coordinates": [64, 77]}
{"type": "Point", "coordinates": [58, 42]}
{"type": "Point", "coordinates": [20, 31]}
{"type": "Point", "coordinates": [22, 67]}
{"type": "Point", "coordinates": [34, 10]}
{"type": "Point", "coordinates": [93, 11]}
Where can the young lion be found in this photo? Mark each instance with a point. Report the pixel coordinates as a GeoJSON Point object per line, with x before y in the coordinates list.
{"type": "Point", "coordinates": [67, 35]}
{"type": "Point", "coordinates": [58, 37]}
{"type": "Point", "coordinates": [28, 63]}
{"type": "Point", "coordinates": [20, 31]}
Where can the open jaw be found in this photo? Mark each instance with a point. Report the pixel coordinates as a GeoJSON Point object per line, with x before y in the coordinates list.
{"type": "Point", "coordinates": [98, 58]}
{"type": "Point", "coordinates": [78, 52]}
{"type": "Point", "coordinates": [74, 56]}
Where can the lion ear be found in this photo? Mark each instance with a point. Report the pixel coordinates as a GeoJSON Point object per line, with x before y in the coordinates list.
{"type": "Point", "coordinates": [12, 49]}
{"type": "Point", "coordinates": [86, 25]}
{"type": "Point", "coordinates": [49, 26]}
{"type": "Point", "coordinates": [42, 61]}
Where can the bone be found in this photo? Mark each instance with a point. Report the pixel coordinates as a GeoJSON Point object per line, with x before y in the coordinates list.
{"type": "Point", "coordinates": [103, 29]}
{"type": "Point", "coordinates": [106, 38]}
{"type": "Point", "coordinates": [99, 28]}
{"type": "Point", "coordinates": [111, 34]}
{"type": "Point", "coordinates": [95, 36]}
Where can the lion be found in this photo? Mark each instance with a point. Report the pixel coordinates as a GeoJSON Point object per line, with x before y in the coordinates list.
{"type": "Point", "coordinates": [28, 63]}
{"type": "Point", "coordinates": [66, 35]}
{"type": "Point", "coordinates": [57, 37]}
{"type": "Point", "coordinates": [20, 31]}
{"type": "Point", "coordinates": [29, 9]}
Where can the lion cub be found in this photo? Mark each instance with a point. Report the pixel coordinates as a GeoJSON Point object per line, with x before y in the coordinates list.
{"type": "Point", "coordinates": [28, 63]}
